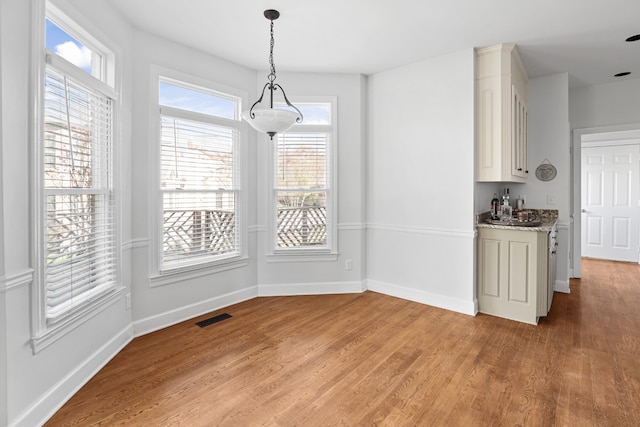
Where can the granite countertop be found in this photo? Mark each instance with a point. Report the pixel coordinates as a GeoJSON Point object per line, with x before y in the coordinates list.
{"type": "Point", "coordinates": [548, 218]}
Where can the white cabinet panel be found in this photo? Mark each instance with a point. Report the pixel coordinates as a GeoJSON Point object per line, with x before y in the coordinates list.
{"type": "Point", "coordinates": [514, 274]}
{"type": "Point", "coordinates": [491, 270]}
{"type": "Point", "coordinates": [519, 286]}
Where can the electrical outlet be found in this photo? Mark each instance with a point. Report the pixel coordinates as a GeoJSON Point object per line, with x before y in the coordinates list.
{"type": "Point", "coordinates": [552, 199]}
{"type": "Point", "coordinates": [348, 265]}
{"type": "Point", "coordinates": [127, 301]}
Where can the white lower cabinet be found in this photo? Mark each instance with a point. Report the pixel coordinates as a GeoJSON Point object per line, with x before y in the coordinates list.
{"type": "Point", "coordinates": [514, 275]}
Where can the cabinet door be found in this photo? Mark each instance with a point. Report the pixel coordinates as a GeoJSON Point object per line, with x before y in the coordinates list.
{"type": "Point", "coordinates": [520, 302]}
{"type": "Point", "coordinates": [519, 124]}
{"type": "Point", "coordinates": [507, 274]}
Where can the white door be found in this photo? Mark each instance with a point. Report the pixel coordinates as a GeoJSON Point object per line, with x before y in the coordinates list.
{"type": "Point", "coordinates": [610, 197]}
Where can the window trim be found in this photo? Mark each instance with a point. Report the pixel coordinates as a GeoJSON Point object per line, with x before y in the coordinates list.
{"type": "Point", "coordinates": [159, 276]}
{"type": "Point", "coordinates": [44, 333]}
{"type": "Point", "coordinates": [305, 254]}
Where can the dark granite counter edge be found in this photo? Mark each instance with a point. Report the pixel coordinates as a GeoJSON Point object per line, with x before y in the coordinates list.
{"type": "Point", "coordinates": [548, 217]}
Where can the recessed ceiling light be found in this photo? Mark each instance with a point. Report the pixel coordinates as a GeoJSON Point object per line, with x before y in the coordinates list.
{"type": "Point", "coordinates": [633, 38]}
{"type": "Point", "coordinates": [626, 73]}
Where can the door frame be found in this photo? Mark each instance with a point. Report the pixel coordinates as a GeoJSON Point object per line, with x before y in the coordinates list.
{"type": "Point", "coordinates": [575, 219]}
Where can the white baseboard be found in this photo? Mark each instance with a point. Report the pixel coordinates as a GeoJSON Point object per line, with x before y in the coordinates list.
{"type": "Point", "coordinates": [47, 405]}
{"type": "Point", "coordinates": [561, 286]}
{"type": "Point", "coordinates": [476, 308]}
{"type": "Point", "coordinates": [322, 288]}
{"type": "Point", "coordinates": [163, 320]}
{"type": "Point", "coordinates": [428, 298]}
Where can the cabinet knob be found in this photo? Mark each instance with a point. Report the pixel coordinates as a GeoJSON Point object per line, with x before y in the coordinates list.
{"type": "Point", "coordinates": [520, 169]}
{"type": "Point", "coordinates": [526, 171]}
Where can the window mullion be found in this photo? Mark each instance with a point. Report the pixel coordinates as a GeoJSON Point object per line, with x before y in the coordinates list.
{"type": "Point", "coordinates": [67, 68]}
{"type": "Point", "coordinates": [198, 117]}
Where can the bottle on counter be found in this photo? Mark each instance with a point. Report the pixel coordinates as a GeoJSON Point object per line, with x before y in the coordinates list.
{"type": "Point", "coordinates": [506, 211]}
{"type": "Point", "coordinates": [505, 197]}
{"type": "Point", "coordinates": [495, 207]}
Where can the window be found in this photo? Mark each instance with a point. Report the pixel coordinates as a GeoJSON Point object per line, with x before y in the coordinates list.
{"type": "Point", "coordinates": [63, 44]}
{"type": "Point", "coordinates": [199, 175]}
{"type": "Point", "coordinates": [303, 182]}
{"type": "Point", "coordinates": [76, 199]}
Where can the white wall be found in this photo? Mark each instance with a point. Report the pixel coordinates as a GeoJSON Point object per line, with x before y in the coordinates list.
{"type": "Point", "coordinates": [15, 26]}
{"type": "Point", "coordinates": [3, 309]}
{"type": "Point", "coordinates": [37, 384]}
{"type": "Point", "coordinates": [605, 105]}
{"type": "Point", "coordinates": [549, 139]}
{"type": "Point", "coordinates": [420, 182]}
{"type": "Point", "coordinates": [277, 277]}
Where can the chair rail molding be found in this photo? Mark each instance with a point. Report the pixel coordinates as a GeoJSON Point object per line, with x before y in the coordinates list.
{"type": "Point", "coordinates": [16, 280]}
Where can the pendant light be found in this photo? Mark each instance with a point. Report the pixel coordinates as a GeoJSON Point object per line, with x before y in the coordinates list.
{"type": "Point", "coordinates": [271, 120]}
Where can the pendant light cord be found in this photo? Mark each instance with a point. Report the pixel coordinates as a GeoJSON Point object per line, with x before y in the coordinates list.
{"type": "Point", "coordinates": [272, 74]}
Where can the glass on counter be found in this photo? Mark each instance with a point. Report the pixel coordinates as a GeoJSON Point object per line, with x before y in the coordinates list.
{"type": "Point", "coordinates": [506, 213]}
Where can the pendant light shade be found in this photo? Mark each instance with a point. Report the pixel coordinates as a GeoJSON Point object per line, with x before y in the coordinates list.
{"type": "Point", "coordinates": [272, 120]}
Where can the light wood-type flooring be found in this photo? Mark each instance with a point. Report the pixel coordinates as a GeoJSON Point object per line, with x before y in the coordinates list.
{"type": "Point", "coordinates": [370, 359]}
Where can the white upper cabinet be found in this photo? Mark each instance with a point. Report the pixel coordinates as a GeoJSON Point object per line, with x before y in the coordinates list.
{"type": "Point", "coordinates": [501, 115]}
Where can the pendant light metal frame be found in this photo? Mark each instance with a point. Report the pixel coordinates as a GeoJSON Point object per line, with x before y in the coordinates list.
{"type": "Point", "coordinates": [272, 15]}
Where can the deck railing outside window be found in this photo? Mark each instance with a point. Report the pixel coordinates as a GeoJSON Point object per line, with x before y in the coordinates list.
{"type": "Point", "coordinates": [206, 231]}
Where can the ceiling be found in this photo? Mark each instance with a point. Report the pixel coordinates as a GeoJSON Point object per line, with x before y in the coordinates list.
{"type": "Point", "coordinates": [585, 38]}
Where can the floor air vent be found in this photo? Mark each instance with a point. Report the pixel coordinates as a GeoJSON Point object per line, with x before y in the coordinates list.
{"type": "Point", "coordinates": [214, 319]}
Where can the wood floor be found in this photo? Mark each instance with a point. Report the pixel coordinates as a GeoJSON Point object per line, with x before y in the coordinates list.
{"type": "Point", "coordinates": [371, 359]}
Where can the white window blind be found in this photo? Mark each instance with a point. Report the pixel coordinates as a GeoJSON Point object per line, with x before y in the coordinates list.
{"type": "Point", "coordinates": [301, 165]}
{"type": "Point", "coordinates": [78, 197]}
{"type": "Point", "coordinates": [199, 190]}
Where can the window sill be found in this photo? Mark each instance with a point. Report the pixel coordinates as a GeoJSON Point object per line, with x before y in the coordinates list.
{"type": "Point", "coordinates": [75, 319]}
{"type": "Point", "coordinates": [169, 277]}
{"type": "Point", "coordinates": [290, 256]}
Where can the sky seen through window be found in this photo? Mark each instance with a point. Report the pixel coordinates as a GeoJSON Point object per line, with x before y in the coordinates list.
{"type": "Point", "coordinates": [62, 43]}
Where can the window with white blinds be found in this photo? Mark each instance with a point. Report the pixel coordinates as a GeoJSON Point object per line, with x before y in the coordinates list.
{"type": "Point", "coordinates": [198, 176]}
{"type": "Point", "coordinates": [78, 230]}
{"type": "Point", "coordinates": [302, 182]}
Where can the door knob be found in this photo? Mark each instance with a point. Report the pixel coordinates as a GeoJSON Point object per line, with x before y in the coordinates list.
{"type": "Point", "coordinates": [585, 211]}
